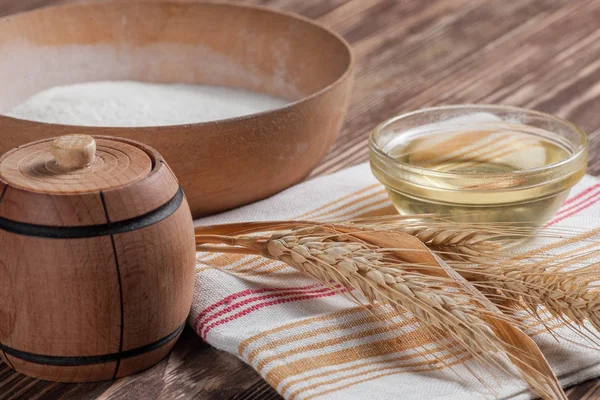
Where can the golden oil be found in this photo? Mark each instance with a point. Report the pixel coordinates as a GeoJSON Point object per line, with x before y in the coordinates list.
{"type": "Point", "coordinates": [479, 173]}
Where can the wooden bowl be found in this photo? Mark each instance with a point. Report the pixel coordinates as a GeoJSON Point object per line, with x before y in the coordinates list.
{"type": "Point", "coordinates": [220, 164]}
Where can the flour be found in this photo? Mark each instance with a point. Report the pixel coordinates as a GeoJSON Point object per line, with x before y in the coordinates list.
{"type": "Point", "coordinates": [128, 103]}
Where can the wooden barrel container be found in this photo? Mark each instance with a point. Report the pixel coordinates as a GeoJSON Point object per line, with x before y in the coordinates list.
{"type": "Point", "coordinates": [97, 258]}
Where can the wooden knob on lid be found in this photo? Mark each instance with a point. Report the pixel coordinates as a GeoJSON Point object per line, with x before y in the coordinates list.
{"type": "Point", "coordinates": [74, 151]}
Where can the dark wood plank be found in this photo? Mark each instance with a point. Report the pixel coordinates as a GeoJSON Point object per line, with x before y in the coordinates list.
{"type": "Point", "coordinates": [541, 54]}
{"type": "Point", "coordinates": [15, 6]}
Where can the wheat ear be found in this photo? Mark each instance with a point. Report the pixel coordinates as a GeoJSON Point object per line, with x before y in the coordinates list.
{"type": "Point", "coordinates": [450, 240]}
{"type": "Point", "coordinates": [362, 269]}
{"type": "Point", "coordinates": [502, 278]}
{"type": "Point", "coordinates": [563, 294]}
{"type": "Point", "coordinates": [454, 244]}
{"type": "Point", "coordinates": [351, 265]}
{"type": "Point", "coordinates": [364, 262]}
{"type": "Point", "coordinates": [377, 276]}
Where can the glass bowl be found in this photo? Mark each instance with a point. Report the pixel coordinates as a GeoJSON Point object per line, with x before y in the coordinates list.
{"type": "Point", "coordinates": [478, 163]}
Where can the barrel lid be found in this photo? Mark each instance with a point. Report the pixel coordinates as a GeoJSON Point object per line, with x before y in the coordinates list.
{"type": "Point", "coordinates": [75, 164]}
{"type": "Point", "coordinates": [77, 182]}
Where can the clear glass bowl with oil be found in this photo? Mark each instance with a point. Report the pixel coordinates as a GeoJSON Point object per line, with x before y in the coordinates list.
{"type": "Point", "coordinates": [479, 163]}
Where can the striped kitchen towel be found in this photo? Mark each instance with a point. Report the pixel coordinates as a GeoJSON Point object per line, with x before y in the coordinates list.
{"type": "Point", "coordinates": [310, 343]}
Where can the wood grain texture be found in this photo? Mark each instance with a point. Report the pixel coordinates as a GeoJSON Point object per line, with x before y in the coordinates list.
{"type": "Point", "coordinates": [84, 373]}
{"type": "Point", "coordinates": [140, 198]}
{"type": "Point", "coordinates": [52, 210]}
{"type": "Point", "coordinates": [32, 320]}
{"type": "Point", "coordinates": [156, 278]}
{"type": "Point", "coordinates": [131, 365]}
{"type": "Point", "coordinates": [542, 54]}
{"type": "Point", "coordinates": [33, 167]}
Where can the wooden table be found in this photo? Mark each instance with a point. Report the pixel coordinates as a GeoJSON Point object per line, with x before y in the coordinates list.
{"type": "Point", "coordinates": [542, 54]}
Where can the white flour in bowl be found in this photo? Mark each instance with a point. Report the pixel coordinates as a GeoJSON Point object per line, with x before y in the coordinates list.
{"type": "Point", "coordinates": [128, 103]}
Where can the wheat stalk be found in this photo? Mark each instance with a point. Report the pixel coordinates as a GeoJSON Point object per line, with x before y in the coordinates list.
{"type": "Point", "coordinates": [355, 266]}
{"type": "Point", "coordinates": [505, 278]}
{"type": "Point", "coordinates": [449, 239]}
{"type": "Point", "coordinates": [563, 294]}
{"type": "Point", "coordinates": [454, 244]}
{"type": "Point", "coordinates": [509, 279]}
{"type": "Point", "coordinates": [343, 258]}
{"type": "Point", "coordinates": [445, 238]}
{"type": "Point", "coordinates": [530, 281]}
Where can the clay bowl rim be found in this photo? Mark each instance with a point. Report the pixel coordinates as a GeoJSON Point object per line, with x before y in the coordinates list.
{"type": "Point", "coordinates": [339, 80]}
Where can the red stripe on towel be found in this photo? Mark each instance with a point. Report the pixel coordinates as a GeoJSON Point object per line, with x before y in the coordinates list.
{"type": "Point", "coordinates": [576, 211]}
{"type": "Point", "coordinates": [257, 307]}
{"type": "Point", "coordinates": [248, 292]}
{"type": "Point", "coordinates": [239, 304]}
